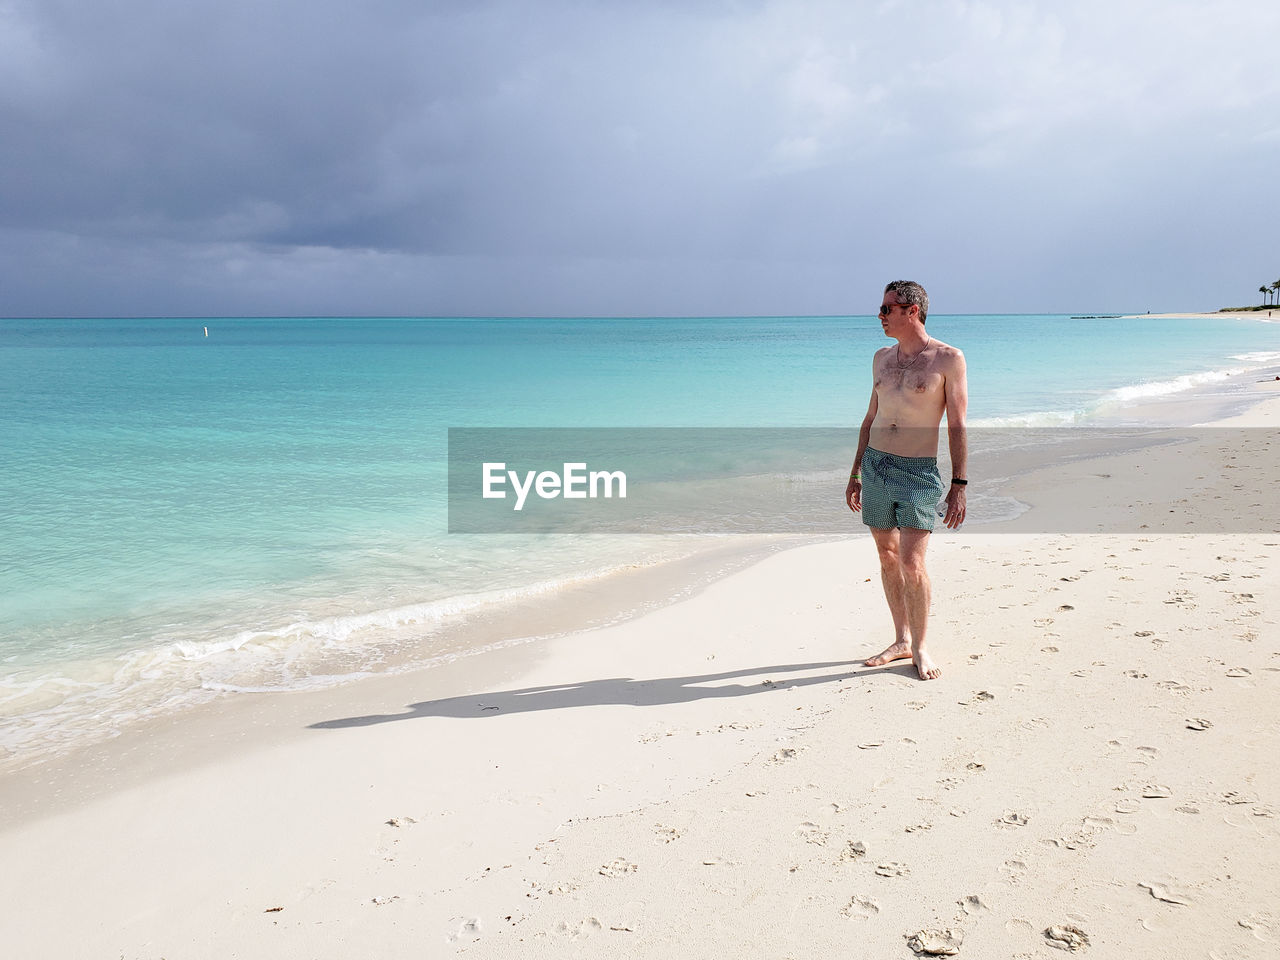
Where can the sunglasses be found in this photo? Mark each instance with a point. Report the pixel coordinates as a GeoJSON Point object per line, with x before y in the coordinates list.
{"type": "Point", "coordinates": [887, 308]}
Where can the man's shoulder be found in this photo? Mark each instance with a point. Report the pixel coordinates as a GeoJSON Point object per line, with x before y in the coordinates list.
{"type": "Point", "coordinates": [948, 354]}
{"type": "Point", "coordinates": [945, 348]}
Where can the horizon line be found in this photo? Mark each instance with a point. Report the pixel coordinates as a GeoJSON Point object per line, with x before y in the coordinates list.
{"type": "Point", "coordinates": [619, 316]}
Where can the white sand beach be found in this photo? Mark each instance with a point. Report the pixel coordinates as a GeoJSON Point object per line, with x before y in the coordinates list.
{"type": "Point", "coordinates": [1094, 772]}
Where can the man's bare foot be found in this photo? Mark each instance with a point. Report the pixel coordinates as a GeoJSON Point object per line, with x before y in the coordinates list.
{"type": "Point", "coordinates": [899, 651]}
{"type": "Point", "coordinates": [925, 666]}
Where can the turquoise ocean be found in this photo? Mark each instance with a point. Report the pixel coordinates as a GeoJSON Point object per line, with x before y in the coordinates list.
{"type": "Point", "coordinates": [191, 509]}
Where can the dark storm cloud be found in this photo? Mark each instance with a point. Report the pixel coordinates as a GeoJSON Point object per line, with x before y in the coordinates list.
{"type": "Point", "coordinates": [229, 120]}
{"type": "Point", "coordinates": [590, 157]}
{"type": "Point", "coordinates": [471, 128]}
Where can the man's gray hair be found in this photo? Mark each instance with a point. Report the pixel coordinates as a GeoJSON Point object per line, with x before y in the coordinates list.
{"type": "Point", "coordinates": [909, 292]}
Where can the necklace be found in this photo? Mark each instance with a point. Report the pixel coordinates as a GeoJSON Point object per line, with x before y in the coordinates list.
{"type": "Point", "coordinates": [912, 361]}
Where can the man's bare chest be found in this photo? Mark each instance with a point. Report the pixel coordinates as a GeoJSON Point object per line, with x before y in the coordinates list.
{"type": "Point", "coordinates": [907, 384]}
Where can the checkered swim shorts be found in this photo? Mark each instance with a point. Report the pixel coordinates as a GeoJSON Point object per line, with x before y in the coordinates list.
{"type": "Point", "coordinates": [900, 491]}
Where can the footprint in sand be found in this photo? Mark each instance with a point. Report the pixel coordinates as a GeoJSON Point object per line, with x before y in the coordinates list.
{"type": "Point", "coordinates": [654, 737]}
{"type": "Point", "coordinates": [893, 869]}
{"type": "Point", "coordinates": [1261, 925]}
{"type": "Point", "coordinates": [1019, 927]}
{"type": "Point", "coordinates": [579, 931]}
{"type": "Point", "coordinates": [557, 889]}
{"type": "Point", "coordinates": [1080, 840]}
{"type": "Point", "coordinates": [853, 850]}
{"type": "Point", "coordinates": [812, 833]}
{"type": "Point", "coordinates": [618, 868]}
{"type": "Point", "coordinates": [1066, 937]}
{"type": "Point", "coordinates": [468, 929]}
{"type": "Point", "coordinates": [936, 943]}
{"type": "Point", "coordinates": [1235, 797]}
{"type": "Point", "coordinates": [665, 834]}
{"type": "Point", "coordinates": [973, 906]}
{"type": "Point", "coordinates": [861, 908]}
{"type": "Point", "coordinates": [1013, 819]}
{"type": "Point", "coordinates": [1014, 870]}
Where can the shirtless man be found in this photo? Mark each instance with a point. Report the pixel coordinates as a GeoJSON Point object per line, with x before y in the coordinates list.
{"type": "Point", "coordinates": [895, 481]}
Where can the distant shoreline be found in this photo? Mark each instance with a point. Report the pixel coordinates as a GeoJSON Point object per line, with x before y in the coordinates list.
{"type": "Point", "coordinates": [1253, 314]}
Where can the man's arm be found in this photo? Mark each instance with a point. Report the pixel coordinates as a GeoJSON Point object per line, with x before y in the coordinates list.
{"type": "Point", "coordinates": [853, 491]}
{"type": "Point", "coordinates": [956, 389]}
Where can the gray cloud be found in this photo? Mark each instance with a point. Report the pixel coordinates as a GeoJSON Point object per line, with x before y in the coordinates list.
{"type": "Point", "coordinates": [589, 157]}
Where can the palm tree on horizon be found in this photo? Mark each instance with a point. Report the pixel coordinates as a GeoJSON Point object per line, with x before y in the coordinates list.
{"type": "Point", "coordinates": [1264, 290]}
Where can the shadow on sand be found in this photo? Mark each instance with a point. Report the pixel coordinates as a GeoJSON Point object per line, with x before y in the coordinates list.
{"type": "Point", "coordinates": [622, 690]}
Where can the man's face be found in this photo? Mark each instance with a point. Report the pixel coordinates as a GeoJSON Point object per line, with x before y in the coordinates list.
{"type": "Point", "coordinates": [894, 317]}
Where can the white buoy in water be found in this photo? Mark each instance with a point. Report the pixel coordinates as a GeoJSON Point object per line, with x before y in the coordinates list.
{"type": "Point", "coordinates": [206, 331]}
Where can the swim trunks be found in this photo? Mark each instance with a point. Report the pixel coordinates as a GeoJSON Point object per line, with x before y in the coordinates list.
{"type": "Point", "coordinates": [900, 491]}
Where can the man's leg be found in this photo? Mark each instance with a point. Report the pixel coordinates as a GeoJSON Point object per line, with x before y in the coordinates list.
{"type": "Point", "coordinates": [918, 594]}
{"type": "Point", "coordinates": [888, 545]}
{"type": "Point", "coordinates": [907, 590]}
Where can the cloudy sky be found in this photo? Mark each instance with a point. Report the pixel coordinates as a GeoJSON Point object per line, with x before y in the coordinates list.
{"type": "Point", "coordinates": [634, 157]}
